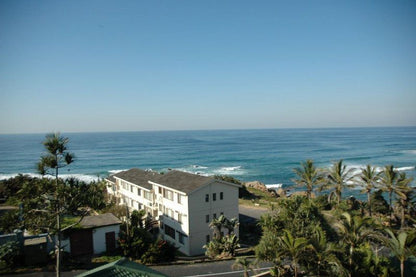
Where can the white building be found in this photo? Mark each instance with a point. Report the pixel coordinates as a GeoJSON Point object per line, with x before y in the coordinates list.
{"type": "Point", "coordinates": [184, 204]}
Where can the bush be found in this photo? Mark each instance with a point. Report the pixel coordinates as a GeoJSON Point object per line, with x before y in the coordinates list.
{"type": "Point", "coordinates": [159, 251]}
{"type": "Point", "coordinates": [9, 254]}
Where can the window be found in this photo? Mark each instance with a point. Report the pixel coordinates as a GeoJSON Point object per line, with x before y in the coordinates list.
{"type": "Point", "coordinates": [179, 217]}
{"type": "Point", "coordinates": [132, 203]}
{"type": "Point", "coordinates": [206, 197]}
{"type": "Point", "coordinates": [131, 188]}
{"type": "Point", "coordinates": [214, 197]}
{"type": "Point", "coordinates": [139, 191]}
{"type": "Point", "coordinates": [207, 239]}
{"type": "Point", "coordinates": [181, 238]}
{"type": "Point", "coordinates": [147, 195]}
{"type": "Point", "coordinates": [207, 218]}
{"type": "Point", "coordinates": [179, 198]}
{"type": "Point", "coordinates": [170, 231]}
{"type": "Point", "coordinates": [221, 195]}
{"type": "Point", "coordinates": [169, 212]}
{"type": "Point", "coordinates": [160, 190]}
{"type": "Point", "coordinates": [168, 194]}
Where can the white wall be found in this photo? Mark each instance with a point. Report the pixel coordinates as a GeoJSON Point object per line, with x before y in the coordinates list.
{"type": "Point", "coordinates": [98, 236]}
{"type": "Point", "coordinates": [198, 210]}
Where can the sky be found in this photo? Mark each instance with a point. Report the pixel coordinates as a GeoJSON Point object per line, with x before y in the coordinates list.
{"type": "Point", "coordinates": [89, 66]}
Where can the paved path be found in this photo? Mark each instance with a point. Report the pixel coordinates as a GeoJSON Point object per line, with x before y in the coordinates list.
{"type": "Point", "coordinates": [250, 214]}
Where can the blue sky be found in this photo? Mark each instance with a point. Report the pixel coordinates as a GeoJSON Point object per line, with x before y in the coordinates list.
{"type": "Point", "coordinates": [76, 66]}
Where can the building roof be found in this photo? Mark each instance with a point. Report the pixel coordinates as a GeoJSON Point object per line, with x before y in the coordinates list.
{"type": "Point", "coordinates": [111, 179]}
{"type": "Point", "coordinates": [177, 180]}
{"type": "Point", "coordinates": [183, 181]}
{"type": "Point", "coordinates": [99, 220]}
{"type": "Point", "coordinates": [138, 177]}
{"type": "Point", "coordinates": [124, 268]}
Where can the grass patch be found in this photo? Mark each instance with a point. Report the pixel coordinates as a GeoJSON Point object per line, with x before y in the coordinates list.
{"type": "Point", "coordinates": [106, 259]}
{"type": "Point", "coordinates": [257, 198]}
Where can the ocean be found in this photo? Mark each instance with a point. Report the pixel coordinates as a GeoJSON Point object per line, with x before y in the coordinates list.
{"type": "Point", "coordinates": [266, 155]}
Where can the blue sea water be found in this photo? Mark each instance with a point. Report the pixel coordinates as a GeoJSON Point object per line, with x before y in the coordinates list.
{"type": "Point", "coordinates": [265, 155]}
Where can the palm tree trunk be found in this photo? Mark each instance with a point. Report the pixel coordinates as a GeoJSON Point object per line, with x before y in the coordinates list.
{"type": "Point", "coordinates": [403, 221]}
{"type": "Point", "coordinates": [391, 208]}
{"type": "Point", "coordinates": [369, 202]}
{"type": "Point", "coordinates": [58, 224]}
{"type": "Point", "coordinates": [402, 268]}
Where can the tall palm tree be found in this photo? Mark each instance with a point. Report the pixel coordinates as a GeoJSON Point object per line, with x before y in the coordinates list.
{"type": "Point", "coordinates": [338, 177]}
{"type": "Point", "coordinates": [55, 158]}
{"type": "Point", "coordinates": [369, 178]}
{"type": "Point", "coordinates": [292, 248]}
{"type": "Point", "coordinates": [406, 194]}
{"type": "Point", "coordinates": [401, 246]}
{"type": "Point", "coordinates": [353, 232]}
{"type": "Point", "coordinates": [308, 176]}
{"type": "Point", "coordinates": [389, 179]}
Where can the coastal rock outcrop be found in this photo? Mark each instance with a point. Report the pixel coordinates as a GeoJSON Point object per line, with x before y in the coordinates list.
{"type": "Point", "coordinates": [256, 185]}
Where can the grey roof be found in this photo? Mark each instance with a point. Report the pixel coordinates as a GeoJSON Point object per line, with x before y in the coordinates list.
{"type": "Point", "coordinates": [138, 177]}
{"type": "Point", "coordinates": [183, 181]}
{"type": "Point", "coordinates": [99, 220]}
{"type": "Point", "coordinates": [178, 180]}
{"type": "Point", "coordinates": [111, 179]}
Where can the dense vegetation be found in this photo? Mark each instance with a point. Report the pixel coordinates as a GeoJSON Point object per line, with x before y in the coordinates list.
{"type": "Point", "coordinates": [329, 236]}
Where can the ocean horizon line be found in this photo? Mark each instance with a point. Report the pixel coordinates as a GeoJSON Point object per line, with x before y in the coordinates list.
{"type": "Point", "coordinates": [213, 130]}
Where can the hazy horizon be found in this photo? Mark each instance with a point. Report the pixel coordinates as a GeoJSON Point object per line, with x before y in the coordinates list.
{"type": "Point", "coordinates": [103, 66]}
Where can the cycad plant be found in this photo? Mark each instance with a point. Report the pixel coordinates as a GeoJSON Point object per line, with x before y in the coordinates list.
{"type": "Point", "coordinates": [324, 259]}
{"type": "Point", "coordinates": [293, 249]}
{"type": "Point", "coordinates": [353, 231]}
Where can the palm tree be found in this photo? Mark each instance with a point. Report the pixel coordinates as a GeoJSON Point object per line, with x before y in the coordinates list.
{"type": "Point", "coordinates": [292, 248]}
{"type": "Point", "coordinates": [308, 176]}
{"type": "Point", "coordinates": [368, 178]}
{"type": "Point", "coordinates": [405, 194]}
{"type": "Point", "coordinates": [388, 181]}
{"type": "Point", "coordinates": [338, 177]}
{"type": "Point", "coordinates": [402, 246]}
{"type": "Point", "coordinates": [353, 232]}
{"type": "Point", "coordinates": [56, 157]}
{"type": "Point", "coordinates": [245, 264]}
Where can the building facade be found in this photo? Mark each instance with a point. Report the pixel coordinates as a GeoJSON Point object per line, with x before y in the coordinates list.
{"type": "Point", "coordinates": [182, 203]}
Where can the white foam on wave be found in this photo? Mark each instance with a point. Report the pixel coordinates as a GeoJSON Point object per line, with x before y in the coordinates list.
{"type": "Point", "coordinates": [115, 171]}
{"type": "Point", "coordinates": [273, 186]}
{"type": "Point", "coordinates": [199, 166]}
{"type": "Point", "coordinates": [231, 170]}
{"type": "Point", "coordinates": [82, 177]}
{"type": "Point", "coordinates": [412, 151]}
{"type": "Point", "coordinates": [405, 168]}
